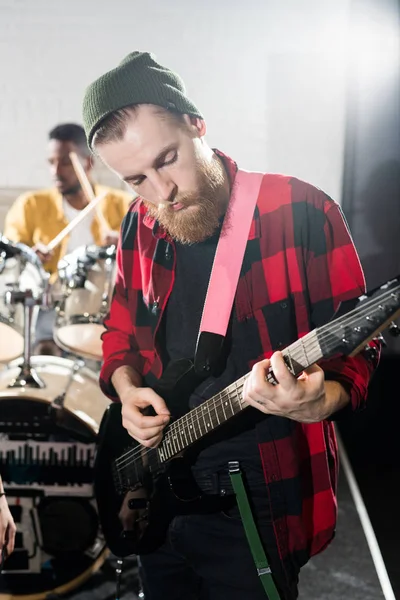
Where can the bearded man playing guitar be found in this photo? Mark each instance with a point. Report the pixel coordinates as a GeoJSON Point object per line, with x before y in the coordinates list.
{"type": "Point", "coordinates": [299, 265]}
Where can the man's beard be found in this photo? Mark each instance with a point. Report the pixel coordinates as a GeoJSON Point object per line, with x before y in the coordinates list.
{"type": "Point", "coordinates": [196, 224]}
{"type": "Point", "coordinates": [71, 190]}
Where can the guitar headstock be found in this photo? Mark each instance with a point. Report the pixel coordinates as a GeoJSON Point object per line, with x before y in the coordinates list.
{"type": "Point", "coordinates": [373, 312]}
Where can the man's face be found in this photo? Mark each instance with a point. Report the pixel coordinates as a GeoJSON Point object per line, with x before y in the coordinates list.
{"type": "Point", "coordinates": [61, 169]}
{"type": "Point", "coordinates": [179, 178]}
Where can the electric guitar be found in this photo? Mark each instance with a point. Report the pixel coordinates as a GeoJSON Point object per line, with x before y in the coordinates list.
{"type": "Point", "coordinates": [138, 489]}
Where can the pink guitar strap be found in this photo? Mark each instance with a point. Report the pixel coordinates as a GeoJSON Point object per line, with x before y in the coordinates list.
{"type": "Point", "coordinates": [229, 256]}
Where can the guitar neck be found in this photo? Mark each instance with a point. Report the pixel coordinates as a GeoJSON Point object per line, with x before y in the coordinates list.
{"type": "Point", "coordinates": [226, 404]}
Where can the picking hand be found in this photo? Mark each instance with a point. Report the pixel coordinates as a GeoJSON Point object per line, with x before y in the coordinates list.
{"type": "Point", "coordinates": [147, 430]}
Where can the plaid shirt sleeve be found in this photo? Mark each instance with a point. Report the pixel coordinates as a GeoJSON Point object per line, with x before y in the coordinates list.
{"type": "Point", "coordinates": [334, 276]}
{"type": "Point", "coordinates": [119, 342]}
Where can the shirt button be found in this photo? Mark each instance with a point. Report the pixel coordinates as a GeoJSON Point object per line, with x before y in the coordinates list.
{"type": "Point", "coordinates": [154, 308]}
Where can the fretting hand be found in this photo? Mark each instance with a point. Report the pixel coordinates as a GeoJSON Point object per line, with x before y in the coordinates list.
{"type": "Point", "coordinates": [302, 399]}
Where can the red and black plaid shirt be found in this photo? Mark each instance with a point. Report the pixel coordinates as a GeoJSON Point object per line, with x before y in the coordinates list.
{"type": "Point", "coordinates": [300, 263]}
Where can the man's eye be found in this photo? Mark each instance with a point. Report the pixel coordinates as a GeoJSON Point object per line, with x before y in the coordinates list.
{"type": "Point", "coordinates": [137, 182]}
{"type": "Point", "coordinates": [171, 160]}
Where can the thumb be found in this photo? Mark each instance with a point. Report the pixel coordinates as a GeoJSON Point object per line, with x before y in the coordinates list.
{"type": "Point", "coordinates": [313, 369]}
{"type": "Point", "coordinates": [158, 404]}
{"type": "Point", "coordinates": [310, 371]}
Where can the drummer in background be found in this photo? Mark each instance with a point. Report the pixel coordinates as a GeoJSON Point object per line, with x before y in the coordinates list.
{"type": "Point", "coordinates": [36, 218]}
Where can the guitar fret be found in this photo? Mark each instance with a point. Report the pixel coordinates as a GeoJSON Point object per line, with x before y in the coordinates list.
{"type": "Point", "coordinates": [196, 426]}
{"type": "Point", "coordinates": [216, 412]}
{"type": "Point", "coordinates": [290, 365]}
{"type": "Point", "coordinates": [303, 353]}
{"type": "Point", "coordinates": [183, 432]}
{"type": "Point", "coordinates": [190, 428]}
{"type": "Point", "coordinates": [173, 444]}
{"type": "Point", "coordinates": [161, 452]}
{"type": "Point", "coordinates": [173, 439]}
{"type": "Point", "coordinates": [203, 422]}
{"type": "Point", "coordinates": [238, 394]}
{"type": "Point", "coordinates": [168, 447]}
{"type": "Point", "coordinates": [230, 403]}
{"type": "Point", "coordinates": [183, 438]}
{"type": "Point", "coordinates": [212, 409]}
{"type": "Point", "coordinates": [178, 440]}
{"type": "Point", "coordinates": [203, 414]}
{"type": "Point", "coordinates": [223, 403]}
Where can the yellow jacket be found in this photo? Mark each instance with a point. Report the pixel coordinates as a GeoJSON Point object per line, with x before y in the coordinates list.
{"type": "Point", "coordinates": [38, 217]}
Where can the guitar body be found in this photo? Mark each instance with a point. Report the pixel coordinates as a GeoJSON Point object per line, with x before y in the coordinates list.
{"type": "Point", "coordinates": [134, 518]}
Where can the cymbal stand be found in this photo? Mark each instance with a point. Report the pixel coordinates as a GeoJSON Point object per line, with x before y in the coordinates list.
{"type": "Point", "coordinates": [27, 377]}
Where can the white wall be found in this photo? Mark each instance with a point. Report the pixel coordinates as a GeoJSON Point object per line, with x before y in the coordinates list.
{"type": "Point", "coordinates": [267, 75]}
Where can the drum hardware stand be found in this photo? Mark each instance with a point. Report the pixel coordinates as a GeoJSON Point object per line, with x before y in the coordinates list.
{"type": "Point", "coordinates": [108, 263]}
{"type": "Point", "coordinates": [3, 257]}
{"type": "Point", "coordinates": [27, 377]}
{"type": "Point", "coordinates": [58, 402]}
{"type": "Point", "coordinates": [56, 408]}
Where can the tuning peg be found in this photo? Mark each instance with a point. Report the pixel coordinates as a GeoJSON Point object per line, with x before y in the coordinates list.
{"type": "Point", "coordinates": [370, 353]}
{"type": "Point", "coordinates": [379, 338]}
{"type": "Point", "coordinates": [394, 329]}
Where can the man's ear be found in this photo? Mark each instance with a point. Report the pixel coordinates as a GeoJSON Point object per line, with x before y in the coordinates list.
{"type": "Point", "coordinates": [196, 125]}
{"type": "Point", "coordinates": [88, 163]}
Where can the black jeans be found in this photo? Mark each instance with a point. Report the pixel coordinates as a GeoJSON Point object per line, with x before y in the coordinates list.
{"type": "Point", "coordinates": [207, 557]}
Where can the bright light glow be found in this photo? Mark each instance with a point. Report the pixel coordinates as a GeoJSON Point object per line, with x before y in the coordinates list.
{"type": "Point", "coordinates": [373, 47]}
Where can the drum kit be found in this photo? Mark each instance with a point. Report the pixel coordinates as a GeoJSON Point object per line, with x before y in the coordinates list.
{"type": "Point", "coordinates": [50, 412]}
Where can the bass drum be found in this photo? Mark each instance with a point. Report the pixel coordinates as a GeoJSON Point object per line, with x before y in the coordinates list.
{"type": "Point", "coordinates": [46, 462]}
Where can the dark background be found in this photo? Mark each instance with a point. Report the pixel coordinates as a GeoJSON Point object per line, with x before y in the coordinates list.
{"type": "Point", "coordinates": [371, 202]}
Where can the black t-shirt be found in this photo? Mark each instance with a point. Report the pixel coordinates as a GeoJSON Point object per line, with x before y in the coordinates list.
{"type": "Point", "coordinates": [235, 440]}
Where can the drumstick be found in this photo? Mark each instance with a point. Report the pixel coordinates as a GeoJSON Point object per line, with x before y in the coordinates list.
{"type": "Point", "coordinates": [87, 188]}
{"type": "Point", "coordinates": [68, 228]}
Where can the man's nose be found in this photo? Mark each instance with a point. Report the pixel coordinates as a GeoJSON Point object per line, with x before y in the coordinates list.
{"type": "Point", "coordinates": [165, 189]}
{"type": "Point", "coordinates": [55, 169]}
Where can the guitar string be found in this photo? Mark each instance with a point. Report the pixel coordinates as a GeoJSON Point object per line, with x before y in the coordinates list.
{"type": "Point", "coordinates": [323, 336]}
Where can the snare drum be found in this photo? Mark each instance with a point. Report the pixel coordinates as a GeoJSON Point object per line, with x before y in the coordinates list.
{"type": "Point", "coordinates": [20, 276]}
{"type": "Point", "coordinates": [85, 283]}
{"type": "Point", "coordinates": [46, 464]}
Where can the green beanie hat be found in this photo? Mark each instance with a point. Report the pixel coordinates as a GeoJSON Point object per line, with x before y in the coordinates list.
{"type": "Point", "coordinates": [138, 79]}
